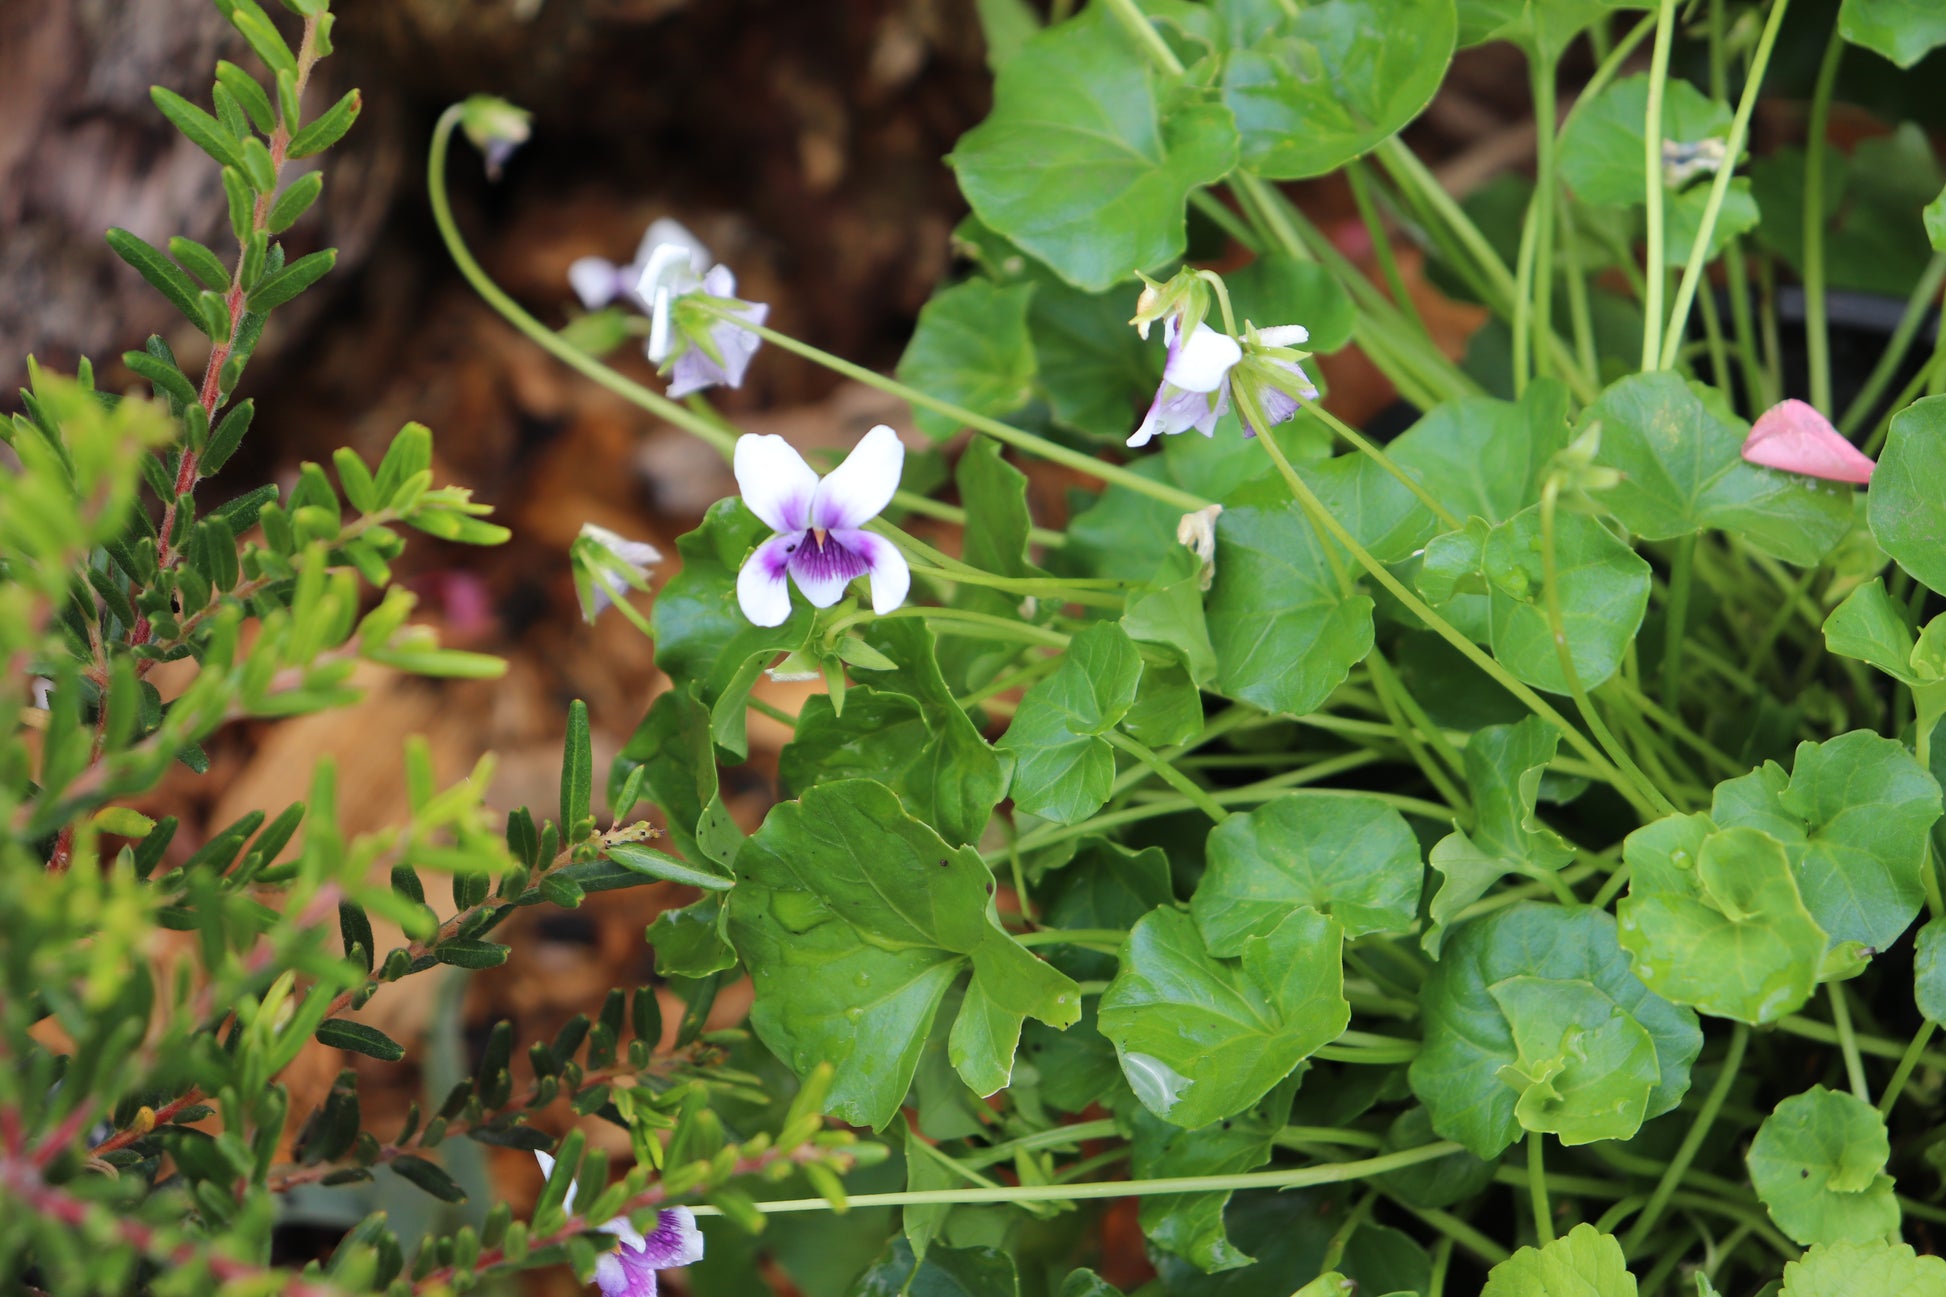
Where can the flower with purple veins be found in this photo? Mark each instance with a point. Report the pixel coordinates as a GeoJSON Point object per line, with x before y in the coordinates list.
{"type": "Point", "coordinates": [629, 1270]}
{"type": "Point", "coordinates": [712, 349]}
{"type": "Point", "coordinates": [1278, 384]}
{"type": "Point", "coordinates": [1195, 389]}
{"type": "Point", "coordinates": [820, 543]}
{"type": "Point", "coordinates": [598, 282]}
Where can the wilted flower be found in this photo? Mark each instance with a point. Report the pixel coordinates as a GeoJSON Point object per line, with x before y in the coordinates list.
{"type": "Point", "coordinates": [1197, 531]}
{"type": "Point", "coordinates": [820, 541]}
{"type": "Point", "coordinates": [496, 128]}
{"type": "Point", "coordinates": [629, 1271]}
{"type": "Point", "coordinates": [1796, 438]}
{"type": "Point", "coordinates": [606, 566]}
{"type": "Point", "coordinates": [1196, 382]}
{"type": "Point", "coordinates": [1277, 384]}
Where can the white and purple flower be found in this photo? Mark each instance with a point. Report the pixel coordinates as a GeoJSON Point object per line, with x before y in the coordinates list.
{"type": "Point", "coordinates": [629, 1271]}
{"type": "Point", "coordinates": [606, 566]}
{"type": "Point", "coordinates": [693, 333]}
{"type": "Point", "coordinates": [820, 543]}
{"type": "Point", "coordinates": [1202, 369]}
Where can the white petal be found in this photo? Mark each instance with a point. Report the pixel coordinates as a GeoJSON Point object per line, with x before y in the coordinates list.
{"type": "Point", "coordinates": [891, 575]}
{"type": "Point", "coordinates": [777, 485]}
{"type": "Point", "coordinates": [860, 488]}
{"type": "Point", "coordinates": [663, 232]}
{"type": "Point", "coordinates": [720, 282]}
{"type": "Point", "coordinates": [636, 553]}
{"type": "Point", "coordinates": [595, 280]}
{"type": "Point", "coordinates": [1284, 335]}
{"type": "Point", "coordinates": [762, 590]}
{"type": "Point", "coordinates": [670, 266]}
{"type": "Point", "coordinates": [1202, 363]}
{"type": "Point", "coordinates": [547, 1171]}
{"type": "Point", "coordinates": [627, 1233]}
{"type": "Point", "coordinates": [658, 348]}
{"type": "Point", "coordinates": [676, 1240]}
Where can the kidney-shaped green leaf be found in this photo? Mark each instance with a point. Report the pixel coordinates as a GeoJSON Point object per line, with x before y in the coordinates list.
{"type": "Point", "coordinates": [1063, 769]}
{"type": "Point", "coordinates": [1584, 1262]}
{"type": "Point", "coordinates": [1604, 592]}
{"type": "Point", "coordinates": [1901, 30]}
{"type": "Point", "coordinates": [1847, 1269]}
{"type": "Point", "coordinates": [1818, 1164]}
{"type": "Point", "coordinates": [1908, 493]}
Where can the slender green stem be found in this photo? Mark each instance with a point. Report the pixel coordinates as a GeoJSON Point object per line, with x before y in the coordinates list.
{"type": "Point", "coordinates": [1580, 318]}
{"type": "Point", "coordinates": [1176, 779]}
{"type": "Point", "coordinates": [1908, 1061]}
{"type": "Point", "coordinates": [964, 621]}
{"type": "Point", "coordinates": [1386, 685]}
{"type": "Point", "coordinates": [1057, 1137]}
{"type": "Point", "coordinates": [1386, 462]}
{"type": "Point", "coordinates": [1924, 294]}
{"type": "Point", "coordinates": [1932, 372]}
{"type": "Point", "coordinates": [1456, 1231]}
{"type": "Point", "coordinates": [1847, 1041]}
{"type": "Point", "coordinates": [1877, 1046]}
{"type": "Point", "coordinates": [1226, 220]}
{"type": "Point", "coordinates": [1537, 1189]}
{"type": "Point", "coordinates": [1692, 1143]}
{"type": "Point", "coordinates": [1041, 587]}
{"type": "Point", "coordinates": [1111, 938]}
{"type": "Point", "coordinates": [1314, 507]}
{"type": "Point", "coordinates": [1546, 119]}
{"type": "Point", "coordinates": [1011, 680]}
{"type": "Point", "coordinates": [1358, 175]}
{"type": "Point", "coordinates": [1713, 341]}
{"type": "Point", "coordinates": [1557, 627]}
{"type": "Point", "coordinates": [1294, 1178]}
{"type": "Point", "coordinates": [1675, 617]}
{"type": "Point", "coordinates": [1027, 441]}
{"type": "Point", "coordinates": [1756, 380]}
{"type": "Point", "coordinates": [1297, 1136]}
{"type": "Point", "coordinates": [1137, 24]}
{"type": "Point", "coordinates": [1692, 274]}
{"type": "Point", "coordinates": [1817, 329]}
{"type": "Point", "coordinates": [1665, 31]}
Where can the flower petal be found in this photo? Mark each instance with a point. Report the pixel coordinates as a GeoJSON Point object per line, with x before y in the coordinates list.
{"type": "Point", "coordinates": [674, 266]}
{"type": "Point", "coordinates": [547, 1173]}
{"type": "Point", "coordinates": [675, 1241]}
{"type": "Point", "coordinates": [663, 232]}
{"type": "Point", "coordinates": [822, 569]}
{"type": "Point", "coordinates": [617, 1275]}
{"type": "Point", "coordinates": [627, 1233]}
{"type": "Point", "coordinates": [1202, 362]}
{"type": "Point", "coordinates": [777, 485]}
{"type": "Point", "coordinates": [762, 592]}
{"type": "Point", "coordinates": [720, 282]}
{"type": "Point", "coordinates": [1175, 410]}
{"type": "Point", "coordinates": [596, 281]}
{"type": "Point", "coordinates": [660, 341]}
{"type": "Point", "coordinates": [860, 488]}
{"type": "Point", "coordinates": [1284, 335]}
{"type": "Point", "coordinates": [1793, 436]}
{"type": "Point", "coordinates": [695, 370]}
{"type": "Point", "coordinates": [891, 574]}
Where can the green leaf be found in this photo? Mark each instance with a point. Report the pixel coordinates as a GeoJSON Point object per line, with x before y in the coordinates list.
{"type": "Point", "coordinates": [162, 274]}
{"type": "Point", "coordinates": [1092, 366]}
{"type": "Point", "coordinates": [971, 348]}
{"type": "Point", "coordinates": [1818, 1165]}
{"type": "Point", "coordinates": [275, 290]}
{"type": "Point", "coordinates": [1935, 221]}
{"type": "Point", "coordinates": [1848, 1269]}
{"type": "Point", "coordinates": [854, 919]}
{"type": "Point", "coordinates": [1352, 858]}
{"type": "Point", "coordinates": [1929, 971]}
{"type": "Point", "coordinates": [945, 1272]}
{"type": "Point", "coordinates": [1604, 592]}
{"type": "Point", "coordinates": [1006, 25]}
{"type": "Point", "coordinates": [294, 201]}
{"type": "Point", "coordinates": [1484, 458]}
{"type": "Point", "coordinates": [1504, 765]}
{"type": "Point", "coordinates": [673, 744]}
{"type": "Point", "coordinates": [1869, 626]}
{"type": "Point", "coordinates": [1545, 27]}
{"type": "Point", "coordinates": [429, 1176]}
{"type": "Point", "coordinates": [658, 864]}
{"type": "Point", "coordinates": [463, 953]}
{"type": "Point", "coordinates": [203, 130]}
{"type": "Point", "coordinates": [1584, 1262]}
{"type": "Point", "coordinates": [577, 769]}
{"type": "Point", "coordinates": [1201, 1039]}
{"type": "Point", "coordinates": [693, 941]}
{"type": "Point", "coordinates": [359, 1039]}
{"type": "Point", "coordinates": [1680, 452]}
{"type": "Point", "coordinates": [1088, 158]}
{"type": "Point", "coordinates": [1285, 636]}
{"type": "Point", "coordinates": [1469, 1036]}
{"type": "Point", "coordinates": [1191, 1224]}
{"type": "Point", "coordinates": [1874, 233]}
{"type": "Point", "coordinates": [1276, 289]}
{"type": "Point", "coordinates": [1604, 151]}
{"type": "Point", "coordinates": [1903, 31]}
{"type": "Point", "coordinates": [958, 777]}
{"type": "Point", "coordinates": [1714, 920]}
{"type": "Point", "coordinates": [1853, 815]}
{"type": "Point", "coordinates": [328, 128]}
{"type": "Point", "coordinates": [1585, 1067]}
{"type": "Point", "coordinates": [1318, 87]}
{"type": "Point", "coordinates": [1907, 498]}
{"type": "Point", "coordinates": [1062, 768]}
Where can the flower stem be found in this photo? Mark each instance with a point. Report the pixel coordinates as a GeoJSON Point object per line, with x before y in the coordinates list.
{"type": "Point", "coordinates": [1176, 779]}
{"type": "Point", "coordinates": [1537, 1189]}
{"type": "Point", "coordinates": [1692, 274]}
{"type": "Point", "coordinates": [1656, 273]}
{"type": "Point", "coordinates": [963, 620]}
{"type": "Point", "coordinates": [1847, 1041]}
{"type": "Point", "coordinates": [1294, 1178]}
{"type": "Point", "coordinates": [1699, 1128]}
{"type": "Point", "coordinates": [1384, 461]}
{"type": "Point", "coordinates": [1924, 293]}
{"type": "Point", "coordinates": [1908, 1061]}
{"type": "Point", "coordinates": [1034, 445]}
{"type": "Point", "coordinates": [1817, 329]}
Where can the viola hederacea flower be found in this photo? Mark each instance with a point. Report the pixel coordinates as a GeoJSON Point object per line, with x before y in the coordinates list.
{"type": "Point", "coordinates": [496, 128]}
{"type": "Point", "coordinates": [1793, 436]}
{"type": "Point", "coordinates": [629, 1271]}
{"type": "Point", "coordinates": [1276, 383]}
{"type": "Point", "coordinates": [694, 336]}
{"type": "Point", "coordinates": [1195, 389]}
{"type": "Point", "coordinates": [606, 566]}
{"type": "Point", "coordinates": [599, 282]}
{"type": "Point", "coordinates": [820, 543]}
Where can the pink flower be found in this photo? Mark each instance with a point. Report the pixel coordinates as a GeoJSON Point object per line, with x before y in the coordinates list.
{"type": "Point", "coordinates": [1796, 438]}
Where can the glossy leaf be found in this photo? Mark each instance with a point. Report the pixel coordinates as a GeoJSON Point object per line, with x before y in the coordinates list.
{"type": "Point", "coordinates": [1604, 592]}
{"type": "Point", "coordinates": [1201, 1038]}
{"type": "Point", "coordinates": [1846, 1269]}
{"type": "Point", "coordinates": [1469, 1037]}
{"type": "Point", "coordinates": [1908, 492]}
{"type": "Point", "coordinates": [1584, 1262]}
{"type": "Point", "coordinates": [1852, 814]}
{"type": "Point", "coordinates": [1314, 89]}
{"type": "Point", "coordinates": [1679, 450]}
{"type": "Point", "coordinates": [1484, 458]}
{"type": "Point", "coordinates": [1285, 635]}
{"type": "Point", "coordinates": [1869, 627]}
{"type": "Point", "coordinates": [1903, 31]}
{"type": "Point", "coordinates": [1062, 769]}
{"type": "Point", "coordinates": [971, 348]}
{"type": "Point", "coordinates": [958, 777]}
{"type": "Point", "coordinates": [1714, 920]}
{"type": "Point", "coordinates": [1349, 857]}
{"type": "Point", "coordinates": [1504, 765]}
{"type": "Point", "coordinates": [1818, 1165]}
{"type": "Point", "coordinates": [1088, 157]}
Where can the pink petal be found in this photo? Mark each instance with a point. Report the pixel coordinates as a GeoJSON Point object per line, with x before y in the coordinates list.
{"type": "Point", "coordinates": [1796, 438]}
